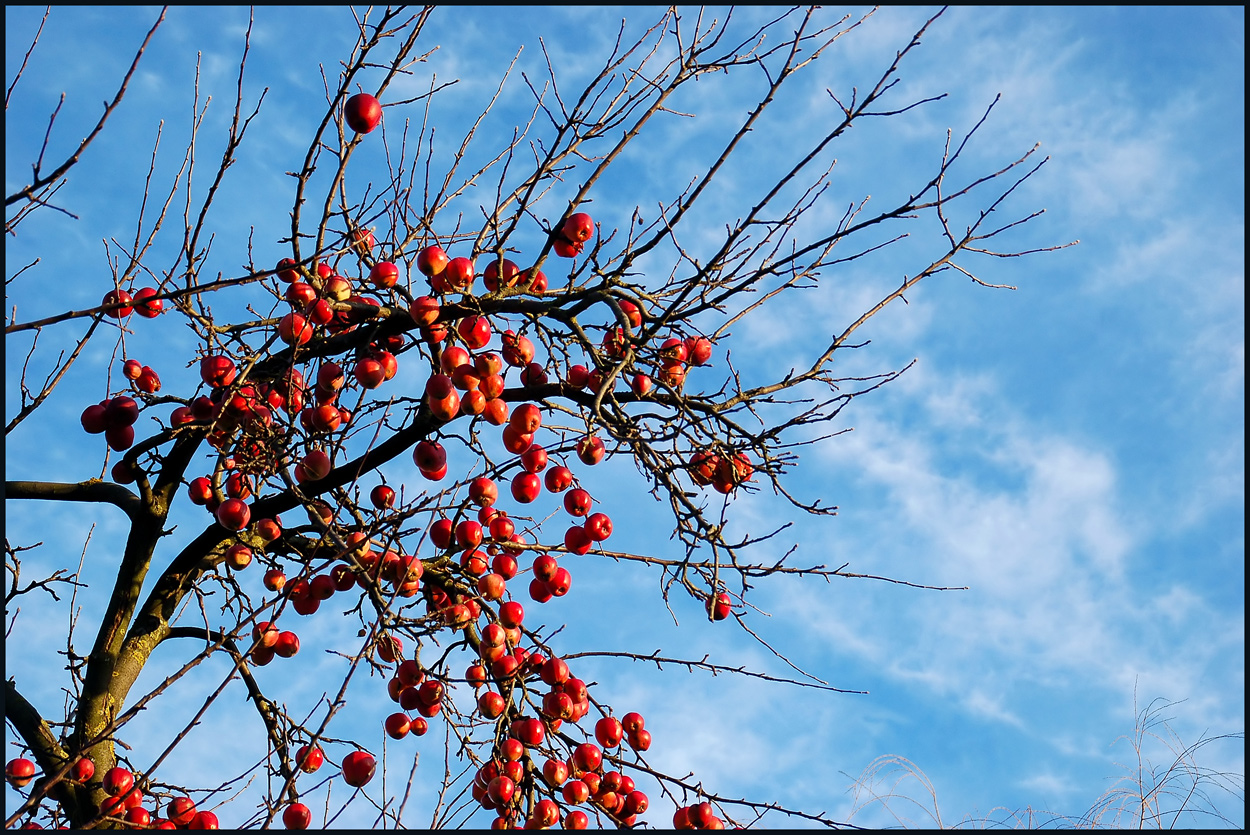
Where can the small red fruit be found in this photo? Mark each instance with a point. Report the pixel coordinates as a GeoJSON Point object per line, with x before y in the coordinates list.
{"type": "Point", "coordinates": [475, 331]}
{"type": "Point", "coordinates": [698, 349]}
{"type": "Point", "coordinates": [511, 614]}
{"type": "Point", "coordinates": [21, 771]}
{"type": "Point", "coordinates": [358, 768]}
{"type": "Point", "coordinates": [218, 371]}
{"type": "Point", "coordinates": [558, 479]}
{"type": "Point", "coordinates": [590, 450]}
{"type": "Point", "coordinates": [294, 329]}
{"type": "Point", "coordinates": [147, 306]}
{"type": "Point", "coordinates": [640, 740]}
{"type": "Point", "coordinates": [233, 514]}
{"type": "Point", "coordinates": [296, 816]}
{"type": "Point", "coordinates": [526, 487]}
{"type": "Point", "coordinates": [397, 725]}
{"type": "Point", "coordinates": [587, 756]}
{"type": "Point", "coordinates": [459, 274]}
{"type": "Point", "coordinates": [719, 606]}
{"type": "Point", "coordinates": [578, 502]}
{"type": "Point", "coordinates": [577, 540]}
{"type": "Point", "coordinates": [491, 704]}
{"type": "Point", "coordinates": [309, 758]}
{"type": "Point", "coordinates": [287, 645]}
{"type": "Point", "coordinates": [118, 780]}
{"type": "Point", "coordinates": [204, 820]}
{"type": "Point", "coordinates": [181, 810]}
{"type": "Point", "coordinates": [526, 418]}
{"type": "Point", "coordinates": [579, 227]}
{"type": "Point", "coordinates": [115, 297]}
{"type": "Point", "coordinates": [483, 492]}
{"type": "Point", "coordinates": [598, 526]}
{"type": "Point", "coordinates": [362, 112]}
{"type": "Point", "coordinates": [608, 732]}
{"type": "Point", "coordinates": [382, 497]}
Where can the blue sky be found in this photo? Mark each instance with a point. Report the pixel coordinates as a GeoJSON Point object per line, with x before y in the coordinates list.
{"type": "Point", "coordinates": [1071, 451]}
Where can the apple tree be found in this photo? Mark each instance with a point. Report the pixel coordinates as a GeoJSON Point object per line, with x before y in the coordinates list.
{"type": "Point", "coordinates": [393, 410]}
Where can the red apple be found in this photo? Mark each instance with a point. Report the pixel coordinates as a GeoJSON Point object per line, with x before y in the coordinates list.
{"type": "Point", "coordinates": [113, 297]}
{"type": "Point", "coordinates": [287, 271]}
{"type": "Point", "coordinates": [577, 540]}
{"type": "Point", "coordinates": [534, 459]}
{"type": "Point", "coordinates": [117, 780]}
{"type": "Point", "coordinates": [560, 582]}
{"type": "Point", "coordinates": [491, 704]}
{"type": "Point", "coordinates": [539, 592]}
{"type": "Point", "coordinates": [218, 371]}
{"type": "Point", "coordinates": [558, 479]}
{"type": "Point", "coordinates": [526, 418]}
{"type": "Point", "coordinates": [294, 329]}
{"type": "Point", "coordinates": [496, 412]}
{"type": "Point", "coordinates": [516, 442]}
{"type": "Point", "coordinates": [555, 772]}
{"type": "Point", "coordinates": [233, 514]}
{"type": "Point", "coordinates": [529, 731]}
{"type": "Point", "coordinates": [598, 526]}
{"type": "Point", "coordinates": [81, 771]}
{"type": "Point", "coordinates": [369, 372]}
{"type": "Point", "coordinates": [238, 556]}
{"type": "Point", "coordinates": [424, 310]}
{"type": "Point", "coordinates": [397, 725]}
{"type": "Point", "coordinates": [95, 419]}
{"type": "Point", "coordinates": [639, 740]}
{"type": "Point", "coordinates": [469, 534]}
{"type": "Point", "coordinates": [459, 274]}
{"type": "Point", "coordinates": [526, 487]}
{"type": "Point", "coordinates": [698, 349]}
{"type": "Point", "coordinates": [358, 768]}
{"type": "Point", "coordinates": [300, 294]}
{"type": "Point", "coordinates": [590, 450]}
{"type": "Point", "coordinates": [146, 305]}
{"type": "Point", "coordinates": [578, 502]}
{"type": "Point", "coordinates": [501, 790]}
{"type": "Point", "coordinates": [578, 228]}
{"type": "Point", "coordinates": [511, 614]}
{"type": "Point", "coordinates": [535, 281]}
{"type": "Point", "coordinates": [382, 497]}
{"type": "Point", "coordinates": [578, 376]}
{"type": "Point", "coordinates": [440, 533]}
{"type": "Point", "coordinates": [296, 816]}
{"type": "Point", "coordinates": [21, 771]}
{"type": "Point", "coordinates": [587, 756]}
{"type": "Point", "coordinates": [362, 241]}
{"type": "Point", "coordinates": [429, 455]}
{"type": "Point", "coordinates": [632, 722]}
{"type": "Point", "coordinates": [494, 278]}
{"type": "Point", "coordinates": [719, 606]}
{"type": "Point", "coordinates": [518, 351]}
{"type": "Point", "coordinates": [566, 248]}
{"type": "Point", "coordinates": [288, 644]}
{"type": "Point", "coordinates": [608, 732]}
{"type": "Point", "coordinates": [545, 567]}
{"type": "Point", "coordinates": [483, 492]}
{"type": "Point", "coordinates": [533, 375]}
{"type": "Point", "coordinates": [362, 112]}
{"type": "Point", "coordinates": [505, 565]}
{"type": "Point", "coordinates": [309, 758]}
{"type": "Point", "coordinates": [204, 820]}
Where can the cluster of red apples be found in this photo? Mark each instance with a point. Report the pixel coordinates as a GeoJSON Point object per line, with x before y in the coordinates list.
{"type": "Point", "coordinates": [258, 426]}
